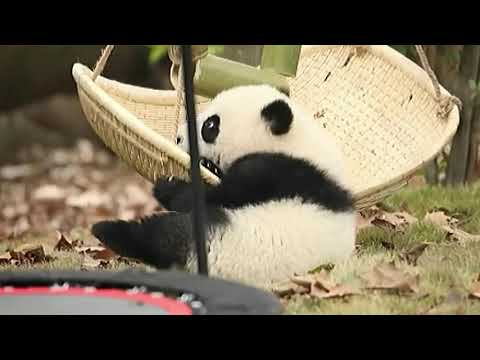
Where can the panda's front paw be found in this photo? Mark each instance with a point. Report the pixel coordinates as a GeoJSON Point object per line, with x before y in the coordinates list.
{"type": "Point", "coordinates": [166, 190]}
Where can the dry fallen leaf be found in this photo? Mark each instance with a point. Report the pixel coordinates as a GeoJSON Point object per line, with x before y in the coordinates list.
{"type": "Point", "coordinates": [105, 254]}
{"type": "Point", "coordinates": [303, 281]}
{"type": "Point", "coordinates": [371, 211]}
{"type": "Point", "coordinates": [49, 193]}
{"type": "Point", "coordinates": [25, 248]}
{"type": "Point", "coordinates": [323, 281]}
{"type": "Point", "coordinates": [323, 288]}
{"type": "Point", "coordinates": [96, 252]}
{"type": "Point", "coordinates": [90, 198]}
{"type": "Point", "coordinates": [412, 255]}
{"type": "Point", "coordinates": [365, 217]}
{"type": "Point", "coordinates": [440, 218]}
{"type": "Point", "coordinates": [448, 224]}
{"type": "Point", "coordinates": [339, 291]}
{"type": "Point", "coordinates": [363, 222]}
{"type": "Point", "coordinates": [289, 289]}
{"type": "Point", "coordinates": [407, 218]}
{"type": "Point", "coordinates": [16, 172]}
{"type": "Point", "coordinates": [460, 235]}
{"type": "Point", "coordinates": [387, 277]}
{"type": "Point", "coordinates": [394, 221]}
{"type": "Point", "coordinates": [375, 216]}
{"type": "Point", "coordinates": [88, 249]}
{"type": "Point", "coordinates": [5, 258]}
{"type": "Point", "coordinates": [62, 243]}
{"type": "Point", "coordinates": [30, 253]}
{"type": "Point", "coordinates": [320, 286]}
{"type": "Point", "coordinates": [11, 212]}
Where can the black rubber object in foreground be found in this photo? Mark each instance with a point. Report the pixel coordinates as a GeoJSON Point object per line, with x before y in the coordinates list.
{"type": "Point", "coordinates": [128, 293]}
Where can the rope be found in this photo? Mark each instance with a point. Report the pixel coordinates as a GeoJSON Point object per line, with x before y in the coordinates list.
{"type": "Point", "coordinates": [446, 102]}
{"type": "Point", "coordinates": [100, 66]}
{"type": "Point", "coordinates": [175, 54]}
{"type": "Point", "coordinates": [180, 96]}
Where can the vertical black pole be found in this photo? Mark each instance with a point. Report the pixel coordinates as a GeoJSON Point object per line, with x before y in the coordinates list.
{"type": "Point", "coordinates": [198, 215]}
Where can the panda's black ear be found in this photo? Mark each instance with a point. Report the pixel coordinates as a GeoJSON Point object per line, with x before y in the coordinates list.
{"type": "Point", "coordinates": [279, 117]}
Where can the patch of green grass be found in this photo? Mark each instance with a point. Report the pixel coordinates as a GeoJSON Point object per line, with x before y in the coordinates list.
{"type": "Point", "coordinates": [445, 267]}
{"type": "Point", "coordinates": [461, 202]}
{"type": "Point", "coordinates": [377, 240]}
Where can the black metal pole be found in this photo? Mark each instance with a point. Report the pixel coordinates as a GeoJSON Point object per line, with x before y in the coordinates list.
{"type": "Point", "coordinates": [198, 215]}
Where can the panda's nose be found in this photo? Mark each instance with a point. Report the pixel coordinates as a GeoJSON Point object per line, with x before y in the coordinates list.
{"type": "Point", "coordinates": [179, 140]}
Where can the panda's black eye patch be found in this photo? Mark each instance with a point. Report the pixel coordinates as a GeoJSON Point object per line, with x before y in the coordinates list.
{"type": "Point", "coordinates": [211, 129]}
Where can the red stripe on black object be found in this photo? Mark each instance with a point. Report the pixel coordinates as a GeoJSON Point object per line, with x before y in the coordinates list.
{"type": "Point", "coordinates": [172, 307]}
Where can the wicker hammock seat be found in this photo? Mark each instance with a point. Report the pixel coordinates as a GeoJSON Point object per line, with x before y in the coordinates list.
{"type": "Point", "coordinates": [380, 106]}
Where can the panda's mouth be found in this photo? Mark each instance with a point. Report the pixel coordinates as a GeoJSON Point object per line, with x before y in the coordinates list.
{"type": "Point", "coordinates": [211, 166]}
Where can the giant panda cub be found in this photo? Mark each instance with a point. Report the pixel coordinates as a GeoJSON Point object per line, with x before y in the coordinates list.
{"type": "Point", "coordinates": [282, 208]}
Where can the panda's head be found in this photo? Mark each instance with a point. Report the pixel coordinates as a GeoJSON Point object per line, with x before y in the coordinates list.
{"type": "Point", "coordinates": [240, 121]}
{"type": "Point", "coordinates": [257, 118]}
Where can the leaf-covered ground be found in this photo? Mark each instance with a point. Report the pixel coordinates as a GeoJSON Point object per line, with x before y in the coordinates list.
{"type": "Point", "coordinates": [418, 253]}
{"type": "Point", "coordinates": [51, 197]}
{"type": "Point", "coordinates": [421, 257]}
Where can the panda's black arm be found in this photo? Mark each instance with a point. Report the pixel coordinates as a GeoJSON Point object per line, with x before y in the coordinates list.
{"type": "Point", "coordinates": [262, 177]}
{"type": "Point", "coordinates": [254, 178]}
{"type": "Point", "coordinates": [257, 178]}
{"type": "Point", "coordinates": [175, 195]}
{"type": "Point", "coordinates": [170, 193]}
{"type": "Point", "coordinates": [167, 191]}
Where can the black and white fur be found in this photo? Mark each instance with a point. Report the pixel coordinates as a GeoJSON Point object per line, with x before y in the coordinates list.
{"type": "Point", "coordinates": [282, 207]}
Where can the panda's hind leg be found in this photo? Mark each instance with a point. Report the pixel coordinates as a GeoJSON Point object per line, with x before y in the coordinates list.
{"type": "Point", "coordinates": [162, 240]}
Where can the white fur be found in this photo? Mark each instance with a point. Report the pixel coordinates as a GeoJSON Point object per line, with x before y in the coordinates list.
{"type": "Point", "coordinates": [270, 243]}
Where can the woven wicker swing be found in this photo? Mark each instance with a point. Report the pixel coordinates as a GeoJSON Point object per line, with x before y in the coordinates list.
{"type": "Point", "coordinates": [380, 106]}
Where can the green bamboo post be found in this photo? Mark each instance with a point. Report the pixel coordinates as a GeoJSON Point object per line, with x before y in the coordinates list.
{"type": "Point", "coordinates": [283, 59]}
{"type": "Point", "coordinates": [214, 74]}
